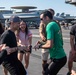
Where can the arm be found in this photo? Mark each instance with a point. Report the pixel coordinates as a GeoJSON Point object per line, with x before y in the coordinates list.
{"type": "Point", "coordinates": [29, 37]}
{"type": "Point", "coordinates": [50, 36]}
{"type": "Point", "coordinates": [42, 37]}
{"type": "Point", "coordinates": [17, 38]}
{"type": "Point", "coordinates": [48, 44]}
{"type": "Point", "coordinates": [11, 50]}
{"type": "Point", "coordinates": [21, 48]}
{"type": "Point", "coordinates": [30, 40]}
{"type": "Point", "coordinates": [72, 42]}
{"type": "Point", "coordinates": [41, 32]}
{"type": "Point", "coordinates": [4, 51]}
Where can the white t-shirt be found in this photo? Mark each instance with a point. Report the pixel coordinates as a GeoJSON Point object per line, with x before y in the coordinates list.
{"type": "Point", "coordinates": [23, 38]}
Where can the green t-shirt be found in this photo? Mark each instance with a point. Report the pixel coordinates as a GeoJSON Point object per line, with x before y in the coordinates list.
{"type": "Point", "coordinates": [54, 33]}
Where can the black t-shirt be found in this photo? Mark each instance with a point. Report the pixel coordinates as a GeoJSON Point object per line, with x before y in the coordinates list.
{"type": "Point", "coordinates": [73, 32]}
{"type": "Point", "coordinates": [3, 55]}
{"type": "Point", "coordinates": [9, 38]}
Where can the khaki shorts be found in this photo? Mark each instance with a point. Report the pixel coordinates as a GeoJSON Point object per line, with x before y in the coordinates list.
{"type": "Point", "coordinates": [45, 54]}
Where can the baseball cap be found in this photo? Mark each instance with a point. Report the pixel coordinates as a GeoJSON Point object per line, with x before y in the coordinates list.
{"type": "Point", "coordinates": [14, 18]}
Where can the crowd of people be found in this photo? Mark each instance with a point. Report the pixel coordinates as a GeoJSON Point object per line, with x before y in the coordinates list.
{"type": "Point", "coordinates": [16, 43]}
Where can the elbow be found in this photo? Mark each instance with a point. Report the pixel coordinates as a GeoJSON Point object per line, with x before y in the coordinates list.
{"type": "Point", "coordinates": [49, 46]}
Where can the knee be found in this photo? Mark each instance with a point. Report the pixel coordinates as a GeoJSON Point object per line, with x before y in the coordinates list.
{"type": "Point", "coordinates": [70, 61]}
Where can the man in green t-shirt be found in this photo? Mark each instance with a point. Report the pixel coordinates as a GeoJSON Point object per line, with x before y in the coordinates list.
{"type": "Point", "coordinates": [54, 43]}
{"type": "Point", "coordinates": [42, 33]}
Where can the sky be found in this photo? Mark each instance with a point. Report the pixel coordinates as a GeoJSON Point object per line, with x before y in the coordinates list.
{"type": "Point", "coordinates": [58, 5]}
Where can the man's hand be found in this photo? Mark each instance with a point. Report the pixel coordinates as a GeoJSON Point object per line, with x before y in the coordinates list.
{"type": "Point", "coordinates": [73, 52]}
{"type": "Point", "coordinates": [37, 46]}
{"type": "Point", "coordinates": [2, 46]}
{"type": "Point", "coordinates": [24, 48]}
{"type": "Point", "coordinates": [43, 38]}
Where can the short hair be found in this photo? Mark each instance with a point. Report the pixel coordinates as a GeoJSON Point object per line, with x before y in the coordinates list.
{"type": "Point", "coordinates": [47, 13]}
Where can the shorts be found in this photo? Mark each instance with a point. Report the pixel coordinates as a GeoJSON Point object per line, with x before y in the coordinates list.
{"type": "Point", "coordinates": [45, 54]}
{"type": "Point", "coordinates": [22, 52]}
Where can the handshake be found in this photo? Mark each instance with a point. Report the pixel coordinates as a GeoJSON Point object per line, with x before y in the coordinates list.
{"type": "Point", "coordinates": [24, 48]}
{"type": "Point", "coordinates": [11, 50]}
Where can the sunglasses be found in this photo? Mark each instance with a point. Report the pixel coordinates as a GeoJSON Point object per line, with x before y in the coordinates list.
{"type": "Point", "coordinates": [41, 19]}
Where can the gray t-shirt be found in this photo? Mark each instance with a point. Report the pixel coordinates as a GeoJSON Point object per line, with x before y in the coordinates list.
{"type": "Point", "coordinates": [73, 32]}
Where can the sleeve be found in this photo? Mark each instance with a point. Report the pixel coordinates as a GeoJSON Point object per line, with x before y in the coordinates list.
{"type": "Point", "coordinates": [49, 32]}
{"type": "Point", "coordinates": [72, 31]}
{"type": "Point", "coordinates": [29, 34]}
{"type": "Point", "coordinates": [3, 54]}
{"type": "Point", "coordinates": [4, 39]}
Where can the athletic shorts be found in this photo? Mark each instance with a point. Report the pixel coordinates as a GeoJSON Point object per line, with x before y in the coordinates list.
{"type": "Point", "coordinates": [45, 54]}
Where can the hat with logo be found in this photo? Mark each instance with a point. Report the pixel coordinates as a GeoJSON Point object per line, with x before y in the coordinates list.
{"type": "Point", "coordinates": [14, 18]}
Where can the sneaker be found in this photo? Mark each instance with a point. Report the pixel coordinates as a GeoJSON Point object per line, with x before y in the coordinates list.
{"type": "Point", "coordinates": [69, 73]}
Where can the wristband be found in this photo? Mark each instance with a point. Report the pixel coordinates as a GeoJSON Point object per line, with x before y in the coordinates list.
{"type": "Point", "coordinates": [30, 47]}
{"type": "Point", "coordinates": [40, 46]}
